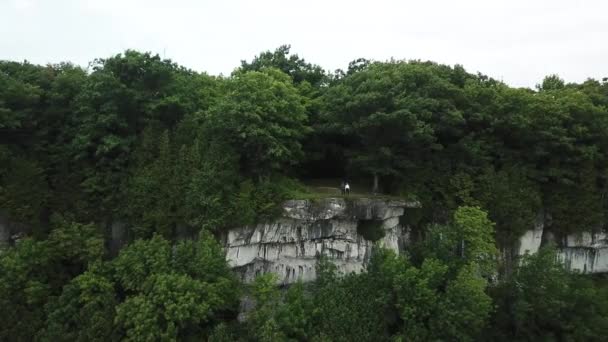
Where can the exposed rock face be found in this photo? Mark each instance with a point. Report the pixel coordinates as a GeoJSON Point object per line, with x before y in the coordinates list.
{"type": "Point", "coordinates": [531, 240]}
{"type": "Point", "coordinates": [289, 246]}
{"type": "Point", "coordinates": [585, 252]}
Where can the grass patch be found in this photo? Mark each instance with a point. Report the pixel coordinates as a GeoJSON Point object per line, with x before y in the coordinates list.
{"type": "Point", "coordinates": [330, 188]}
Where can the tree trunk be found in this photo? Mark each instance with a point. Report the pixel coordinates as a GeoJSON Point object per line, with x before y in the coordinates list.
{"type": "Point", "coordinates": [375, 188]}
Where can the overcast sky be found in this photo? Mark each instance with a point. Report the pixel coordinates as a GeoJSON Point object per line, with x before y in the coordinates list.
{"type": "Point", "coordinates": [518, 41]}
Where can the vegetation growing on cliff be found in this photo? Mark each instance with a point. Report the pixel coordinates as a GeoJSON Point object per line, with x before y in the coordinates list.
{"type": "Point", "coordinates": [172, 152]}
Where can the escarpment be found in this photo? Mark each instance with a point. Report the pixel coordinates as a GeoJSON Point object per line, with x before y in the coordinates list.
{"type": "Point", "coordinates": [585, 252]}
{"type": "Point", "coordinates": [343, 230]}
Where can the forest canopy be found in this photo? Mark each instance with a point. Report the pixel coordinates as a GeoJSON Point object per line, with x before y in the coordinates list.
{"type": "Point", "coordinates": [170, 153]}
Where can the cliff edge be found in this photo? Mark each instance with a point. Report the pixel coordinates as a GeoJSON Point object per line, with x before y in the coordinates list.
{"type": "Point", "coordinates": [342, 229]}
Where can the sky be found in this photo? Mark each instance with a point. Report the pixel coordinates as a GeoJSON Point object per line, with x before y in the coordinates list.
{"type": "Point", "coordinates": [518, 42]}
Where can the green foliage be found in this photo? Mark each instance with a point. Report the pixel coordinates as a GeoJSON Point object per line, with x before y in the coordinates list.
{"type": "Point", "coordinates": [17, 98]}
{"type": "Point", "coordinates": [33, 272]}
{"type": "Point", "coordinates": [578, 206]}
{"type": "Point", "coordinates": [84, 311]}
{"type": "Point", "coordinates": [444, 297]}
{"type": "Point", "coordinates": [394, 299]}
{"type": "Point", "coordinates": [552, 82]}
{"type": "Point", "coordinates": [512, 201]}
{"type": "Point", "coordinates": [210, 192]}
{"type": "Point", "coordinates": [385, 111]}
{"type": "Point", "coordinates": [475, 232]}
{"type": "Point", "coordinates": [188, 185]}
{"type": "Point", "coordinates": [24, 289]}
{"type": "Point", "coordinates": [467, 240]}
{"type": "Point", "coordinates": [264, 117]}
{"type": "Point", "coordinates": [293, 316]}
{"type": "Point", "coordinates": [261, 202]}
{"type": "Point", "coordinates": [543, 301]}
{"type": "Point", "coordinates": [349, 308]}
{"type": "Point", "coordinates": [165, 148]}
{"type": "Point", "coordinates": [418, 299]}
{"type": "Point", "coordinates": [140, 260]}
{"type": "Point", "coordinates": [166, 305]}
{"type": "Point", "coordinates": [124, 95]}
{"type": "Point", "coordinates": [172, 292]}
{"type": "Point", "coordinates": [24, 193]}
{"type": "Point", "coordinates": [466, 306]}
{"type": "Point", "coordinates": [263, 320]}
{"type": "Point", "coordinates": [222, 333]}
{"type": "Point", "coordinates": [291, 64]}
{"type": "Point", "coordinates": [142, 140]}
{"type": "Point", "coordinates": [279, 316]}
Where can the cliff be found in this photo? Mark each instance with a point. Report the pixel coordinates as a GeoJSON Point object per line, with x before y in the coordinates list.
{"type": "Point", "coordinates": [586, 252]}
{"type": "Point", "coordinates": [344, 230]}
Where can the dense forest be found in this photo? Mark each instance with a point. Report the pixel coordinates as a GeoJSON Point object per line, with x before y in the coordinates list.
{"type": "Point", "coordinates": [179, 156]}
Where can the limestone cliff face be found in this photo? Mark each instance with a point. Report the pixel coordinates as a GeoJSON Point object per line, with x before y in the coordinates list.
{"type": "Point", "coordinates": [586, 252]}
{"type": "Point", "coordinates": [333, 227]}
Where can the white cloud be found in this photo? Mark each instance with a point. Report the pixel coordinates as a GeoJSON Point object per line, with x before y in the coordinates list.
{"type": "Point", "coordinates": [22, 5]}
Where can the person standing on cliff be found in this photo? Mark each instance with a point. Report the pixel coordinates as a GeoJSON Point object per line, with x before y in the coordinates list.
{"type": "Point", "coordinates": [346, 188]}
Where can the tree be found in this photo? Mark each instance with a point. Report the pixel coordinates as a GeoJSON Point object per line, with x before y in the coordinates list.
{"type": "Point", "coordinates": [465, 308]}
{"type": "Point", "coordinates": [84, 311]}
{"type": "Point", "coordinates": [347, 307]}
{"type": "Point", "coordinates": [512, 200]}
{"type": "Point", "coordinates": [543, 301]}
{"type": "Point", "coordinates": [125, 94]}
{"type": "Point", "coordinates": [264, 117]}
{"type": "Point", "coordinates": [18, 96]}
{"type": "Point", "coordinates": [169, 306]}
{"type": "Point", "coordinates": [444, 297]}
{"type": "Point", "coordinates": [175, 190]}
{"type": "Point", "coordinates": [291, 64]}
{"type": "Point", "coordinates": [551, 82]}
{"type": "Point", "coordinates": [263, 319]}
{"type": "Point", "coordinates": [143, 141]}
{"type": "Point", "coordinates": [418, 299]}
{"type": "Point", "coordinates": [33, 272]}
{"type": "Point", "coordinates": [173, 292]}
{"type": "Point", "coordinates": [293, 316]}
{"type": "Point", "coordinates": [152, 192]}
{"type": "Point", "coordinates": [475, 233]}
{"type": "Point", "coordinates": [391, 114]}
{"type": "Point", "coordinates": [433, 305]}
{"type": "Point", "coordinates": [467, 240]}
{"type": "Point", "coordinates": [25, 192]}
{"type": "Point", "coordinates": [24, 289]}
{"type": "Point", "coordinates": [140, 260]}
